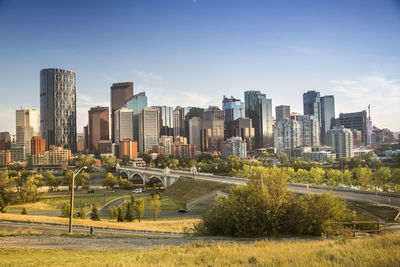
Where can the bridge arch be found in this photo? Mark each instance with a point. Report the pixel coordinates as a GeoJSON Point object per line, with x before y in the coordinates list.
{"type": "Point", "coordinates": [124, 174]}
{"type": "Point", "coordinates": [137, 179]}
{"type": "Point", "coordinates": [156, 182]}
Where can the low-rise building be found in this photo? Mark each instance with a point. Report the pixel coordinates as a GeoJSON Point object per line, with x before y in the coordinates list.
{"type": "Point", "coordinates": [5, 157]}
{"type": "Point", "coordinates": [55, 156]}
{"type": "Point", "coordinates": [128, 148]}
{"type": "Point", "coordinates": [234, 147]}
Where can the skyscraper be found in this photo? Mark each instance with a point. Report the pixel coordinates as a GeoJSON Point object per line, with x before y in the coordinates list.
{"type": "Point", "coordinates": [356, 120]}
{"type": "Point", "coordinates": [27, 126]}
{"type": "Point", "coordinates": [282, 112]}
{"type": "Point", "coordinates": [166, 120]}
{"type": "Point", "coordinates": [58, 108]}
{"type": "Point", "coordinates": [341, 141]}
{"type": "Point", "coordinates": [312, 104]}
{"type": "Point", "coordinates": [327, 116]}
{"type": "Point", "coordinates": [212, 129]}
{"type": "Point", "coordinates": [136, 103]}
{"type": "Point", "coordinates": [123, 125]}
{"type": "Point", "coordinates": [233, 107]}
{"type": "Point", "coordinates": [149, 130]}
{"type": "Point", "coordinates": [259, 110]}
{"type": "Point", "coordinates": [179, 120]}
{"type": "Point", "coordinates": [98, 127]}
{"type": "Point", "coordinates": [120, 94]}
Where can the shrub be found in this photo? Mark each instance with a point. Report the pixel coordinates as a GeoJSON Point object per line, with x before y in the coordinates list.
{"type": "Point", "coordinates": [94, 213]}
{"type": "Point", "coordinates": [83, 213]}
{"type": "Point", "coordinates": [23, 212]}
{"type": "Point", "coordinates": [113, 212]}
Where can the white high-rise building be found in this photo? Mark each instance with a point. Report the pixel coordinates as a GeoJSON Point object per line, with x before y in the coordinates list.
{"type": "Point", "coordinates": [123, 125]}
{"type": "Point", "coordinates": [341, 141]}
{"type": "Point", "coordinates": [27, 126]}
{"type": "Point", "coordinates": [310, 131]}
{"type": "Point", "coordinates": [149, 128]}
{"type": "Point", "coordinates": [287, 137]}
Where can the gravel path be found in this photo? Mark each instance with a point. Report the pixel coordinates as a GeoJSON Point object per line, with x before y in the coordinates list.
{"type": "Point", "coordinates": [90, 243]}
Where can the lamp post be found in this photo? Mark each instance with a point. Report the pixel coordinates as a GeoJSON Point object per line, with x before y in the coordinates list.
{"type": "Point", "coordinates": [71, 203]}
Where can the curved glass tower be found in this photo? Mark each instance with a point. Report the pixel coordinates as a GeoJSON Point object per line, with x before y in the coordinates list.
{"type": "Point", "coordinates": [58, 107]}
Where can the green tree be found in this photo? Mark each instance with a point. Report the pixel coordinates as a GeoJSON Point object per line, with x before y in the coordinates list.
{"type": "Point", "coordinates": [29, 191]}
{"type": "Point", "coordinates": [82, 180]}
{"type": "Point", "coordinates": [94, 213]}
{"type": "Point", "coordinates": [23, 212]}
{"type": "Point", "coordinates": [120, 216]}
{"type": "Point", "coordinates": [364, 177]}
{"type": "Point", "coordinates": [396, 180]}
{"type": "Point", "coordinates": [316, 175]}
{"type": "Point", "coordinates": [85, 160]}
{"type": "Point", "coordinates": [125, 183]}
{"type": "Point", "coordinates": [383, 177]}
{"type": "Point", "coordinates": [138, 206]}
{"type": "Point", "coordinates": [129, 212]}
{"type": "Point", "coordinates": [110, 181]}
{"type": "Point", "coordinates": [347, 177]}
{"type": "Point", "coordinates": [108, 162]}
{"type": "Point", "coordinates": [6, 192]}
{"type": "Point", "coordinates": [156, 205]}
{"type": "Point", "coordinates": [50, 181]}
{"type": "Point", "coordinates": [333, 177]}
{"type": "Point", "coordinates": [68, 177]}
{"type": "Point", "coordinates": [83, 212]}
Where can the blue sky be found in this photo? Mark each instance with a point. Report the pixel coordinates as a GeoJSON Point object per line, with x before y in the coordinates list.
{"type": "Point", "coordinates": [191, 53]}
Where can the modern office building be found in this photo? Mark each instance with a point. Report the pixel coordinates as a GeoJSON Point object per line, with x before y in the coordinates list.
{"type": "Point", "coordinates": [282, 112]}
{"type": "Point", "coordinates": [194, 131]}
{"type": "Point", "coordinates": [149, 130]}
{"type": "Point", "coordinates": [212, 129]}
{"type": "Point", "coordinates": [327, 116]}
{"type": "Point", "coordinates": [80, 141]}
{"type": "Point", "coordinates": [193, 112]}
{"type": "Point", "coordinates": [166, 120]}
{"type": "Point", "coordinates": [58, 108]}
{"type": "Point", "coordinates": [179, 115]}
{"type": "Point", "coordinates": [242, 128]}
{"type": "Point", "coordinates": [356, 120]}
{"type": "Point", "coordinates": [233, 107]}
{"type": "Point", "coordinates": [5, 144]}
{"type": "Point", "coordinates": [120, 94]}
{"type": "Point", "coordinates": [312, 104]}
{"type": "Point", "coordinates": [341, 141]}
{"type": "Point", "coordinates": [310, 131]}
{"type": "Point", "coordinates": [54, 157]}
{"type": "Point", "coordinates": [98, 127]}
{"type": "Point", "coordinates": [166, 142]}
{"type": "Point", "coordinates": [38, 145]}
{"type": "Point", "coordinates": [123, 125]}
{"type": "Point", "coordinates": [136, 103]}
{"type": "Point", "coordinates": [234, 147]}
{"type": "Point", "coordinates": [5, 135]}
{"type": "Point", "coordinates": [18, 153]}
{"type": "Point", "coordinates": [27, 126]}
{"type": "Point", "coordinates": [183, 150]}
{"type": "Point", "coordinates": [259, 110]}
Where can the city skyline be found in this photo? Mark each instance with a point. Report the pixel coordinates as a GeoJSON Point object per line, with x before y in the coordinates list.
{"type": "Point", "coordinates": [351, 59]}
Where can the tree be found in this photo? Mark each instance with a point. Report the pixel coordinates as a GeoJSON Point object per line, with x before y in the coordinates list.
{"type": "Point", "coordinates": [125, 159]}
{"type": "Point", "coordinates": [108, 162]}
{"type": "Point", "coordinates": [120, 216]}
{"type": "Point", "coordinates": [396, 180]}
{"type": "Point", "coordinates": [29, 191]}
{"type": "Point", "coordinates": [156, 204]}
{"type": "Point", "coordinates": [6, 185]}
{"type": "Point", "coordinates": [146, 157]}
{"type": "Point", "coordinates": [138, 205]}
{"type": "Point", "coordinates": [85, 160]}
{"type": "Point", "coordinates": [50, 181]}
{"type": "Point", "coordinates": [83, 213]}
{"type": "Point", "coordinates": [23, 212]}
{"type": "Point", "coordinates": [82, 179]}
{"type": "Point", "coordinates": [124, 183]}
{"type": "Point", "coordinates": [68, 177]}
{"type": "Point", "coordinates": [383, 177]}
{"type": "Point", "coordinates": [110, 181]}
{"type": "Point", "coordinates": [316, 175]}
{"type": "Point", "coordinates": [94, 214]}
{"type": "Point", "coordinates": [129, 212]}
{"type": "Point", "coordinates": [333, 177]}
{"type": "Point", "coordinates": [347, 177]}
{"type": "Point", "coordinates": [364, 177]}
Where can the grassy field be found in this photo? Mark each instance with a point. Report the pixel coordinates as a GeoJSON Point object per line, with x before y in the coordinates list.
{"type": "Point", "coordinates": [373, 212]}
{"type": "Point", "coordinates": [170, 225]}
{"type": "Point", "coordinates": [54, 202]}
{"type": "Point", "coordinates": [376, 251]}
{"type": "Point", "coordinates": [184, 190]}
{"type": "Point", "coordinates": [166, 203]}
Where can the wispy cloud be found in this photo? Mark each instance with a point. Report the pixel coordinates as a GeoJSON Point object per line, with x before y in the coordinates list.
{"type": "Point", "coordinates": [382, 93]}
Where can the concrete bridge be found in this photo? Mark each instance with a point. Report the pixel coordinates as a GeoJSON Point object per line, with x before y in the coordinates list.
{"type": "Point", "coordinates": [167, 176]}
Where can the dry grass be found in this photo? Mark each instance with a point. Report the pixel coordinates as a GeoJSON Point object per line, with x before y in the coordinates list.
{"type": "Point", "coordinates": [377, 251]}
{"type": "Point", "coordinates": [184, 190]}
{"type": "Point", "coordinates": [169, 225]}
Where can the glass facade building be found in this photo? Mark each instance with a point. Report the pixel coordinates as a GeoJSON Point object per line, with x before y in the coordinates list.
{"type": "Point", "coordinates": [58, 108]}
{"type": "Point", "coordinates": [234, 109]}
{"type": "Point", "coordinates": [312, 104]}
{"type": "Point", "coordinates": [136, 103]}
{"type": "Point", "coordinates": [327, 116]}
{"type": "Point", "coordinates": [259, 109]}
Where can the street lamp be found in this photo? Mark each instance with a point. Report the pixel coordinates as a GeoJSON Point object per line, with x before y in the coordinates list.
{"type": "Point", "coordinates": [71, 203]}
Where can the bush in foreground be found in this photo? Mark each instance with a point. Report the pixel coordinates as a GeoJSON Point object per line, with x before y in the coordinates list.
{"type": "Point", "coordinates": [265, 208]}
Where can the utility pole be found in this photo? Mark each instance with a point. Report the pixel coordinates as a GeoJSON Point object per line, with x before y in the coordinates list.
{"type": "Point", "coordinates": [71, 203]}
